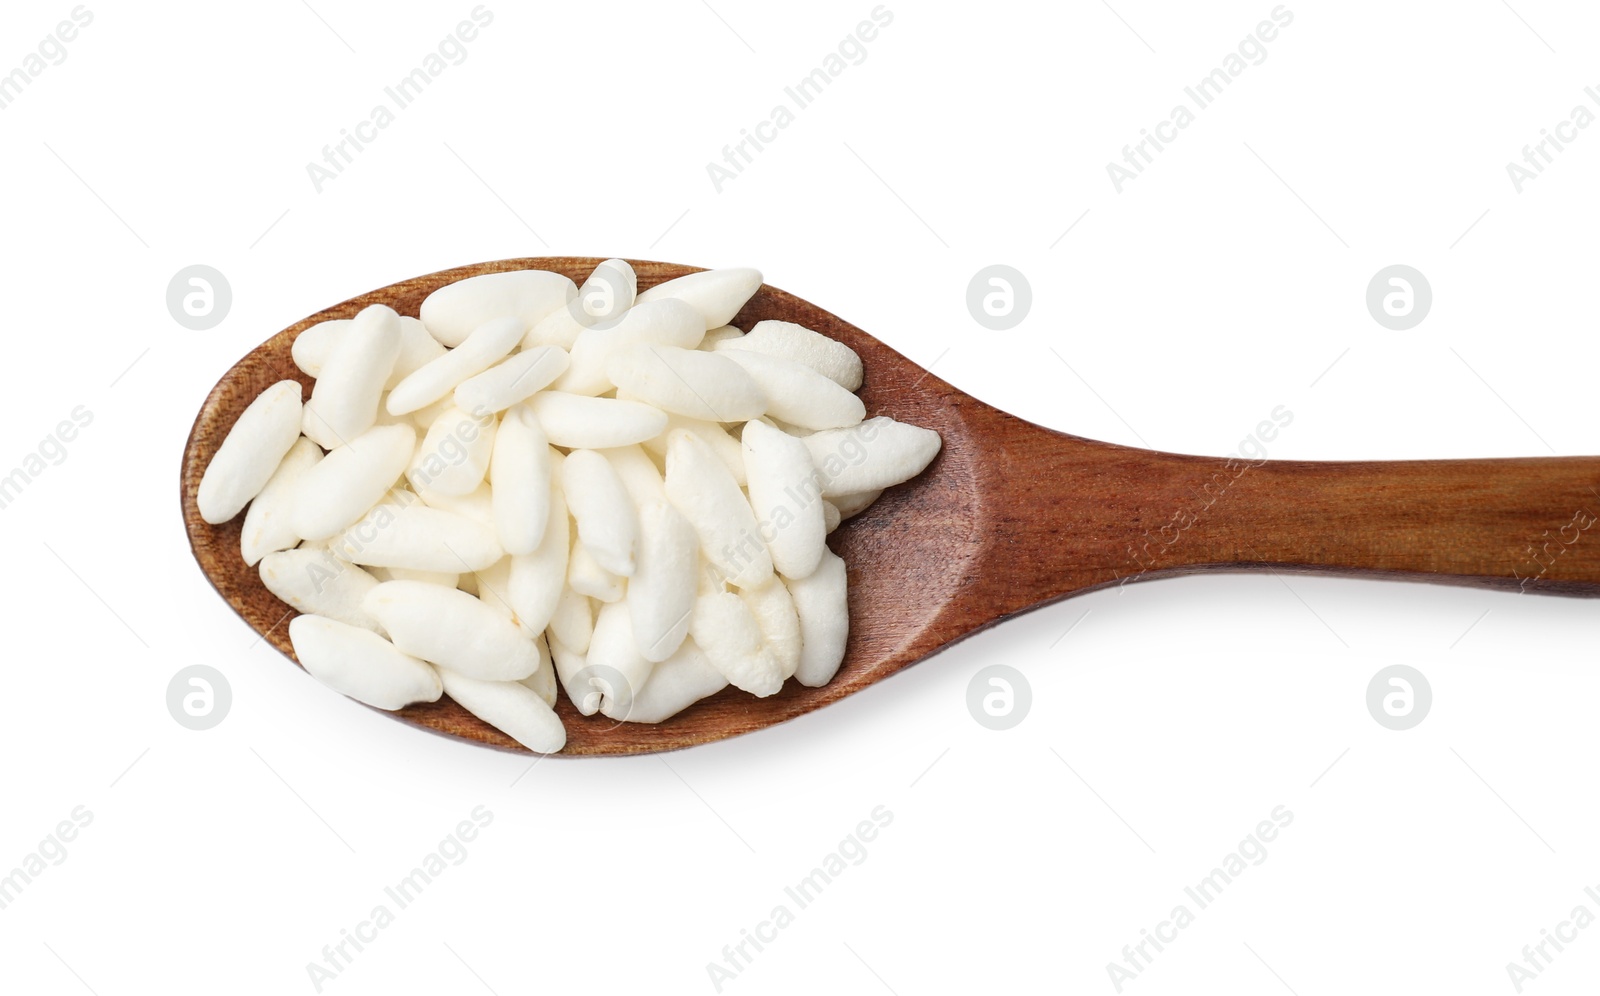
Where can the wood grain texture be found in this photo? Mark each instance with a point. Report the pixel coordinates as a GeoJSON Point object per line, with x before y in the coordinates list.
{"type": "Point", "coordinates": [1011, 516]}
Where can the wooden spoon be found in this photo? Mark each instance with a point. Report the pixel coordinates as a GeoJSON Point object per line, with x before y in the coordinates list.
{"type": "Point", "coordinates": [1012, 516]}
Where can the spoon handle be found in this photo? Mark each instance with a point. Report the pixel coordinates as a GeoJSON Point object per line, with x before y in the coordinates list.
{"type": "Point", "coordinates": [1076, 514]}
{"type": "Point", "coordinates": [1524, 524]}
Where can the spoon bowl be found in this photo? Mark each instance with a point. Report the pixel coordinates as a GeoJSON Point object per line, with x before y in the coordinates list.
{"type": "Point", "coordinates": [918, 538]}
{"type": "Point", "coordinates": [1010, 516]}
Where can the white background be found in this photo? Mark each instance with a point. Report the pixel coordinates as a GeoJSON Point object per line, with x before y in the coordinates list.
{"type": "Point", "coordinates": [1225, 281]}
